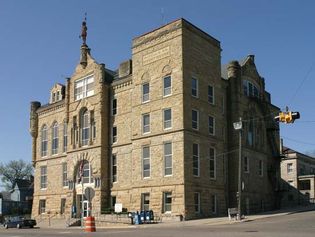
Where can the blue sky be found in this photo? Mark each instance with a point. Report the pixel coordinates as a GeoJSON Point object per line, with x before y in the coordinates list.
{"type": "Point", "coordinates": [39, 46]}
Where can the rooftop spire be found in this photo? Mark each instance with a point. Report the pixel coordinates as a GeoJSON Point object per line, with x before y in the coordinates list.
{"type": "Point", "coordinates": [84, 30]}
{"type": "Point", "coordinates": [84, 48]}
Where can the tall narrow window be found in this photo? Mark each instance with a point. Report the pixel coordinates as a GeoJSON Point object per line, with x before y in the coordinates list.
{"type": "Point", "coordinates": [250, 133]}
{"type": "Point", "coordinates": [214, 204]}
{"type": "Point", "coordinates": [43, 177]}
{"type": "Point", "coordinates": [146, 166]}
{"type": "Point", "coordinates": [145, 201]}
{"type": "Point", "coordinates": [84, 88]}
{"type": "Point", "coordinates": [145, 123]}
{"type": "Point", "coordinates": [194, 87]}
{"type": "Point", "coordinates": [196, 159]}
{"type": "Point", "coordinates": [145, 92]}
{"type": "Point", "coordinates": [289, 168]}
{"type": "Point", "coordinates": [197, 202]}
{"type": "Point", "coordinates": [86, 172]}
{"type": "Point", "coordinates": [42, 206]}
{"type": "Point", "coordinates": [261, 168]}
{"type": "Point", "coordinates": [62, 205]}
{"type": "Point", "coordinates": [114, 134]}
{"type": "Point", "coordinates": [168, 159]}
{"type": "Point", "coordinates": [65, 136]}
{"type": "Point", "coordinates": [210, 94]}
{"type": "Point", "coordinates": [85, 128]}
{"type": "Point", "coordinates": [55, 139]}
{"type": "Point", "coordinates": [195, 119]}
{"type": "Point", "coordinates": [211, 125]}
{"type": "Point", "coordinates": [93, 125]}
{"type": "Point", "coordinates": [167, 118]}
{"type": "Point", "coordinates": [114, 106]}
{"type": "Point", "coordinates": [246, 164]}
{"type": "Point", "coordinates": [64, 175]}
{"type": "Point", "coordinates": [212, 163]}
{"type": "Point", "coordinates": [114, 168]}
{"type": "Point", "coordinates": [167, 86]}
{"type": "Point", "coordinates": [167, 201]}
{"type": "Point", "coordinates": [44, 141]}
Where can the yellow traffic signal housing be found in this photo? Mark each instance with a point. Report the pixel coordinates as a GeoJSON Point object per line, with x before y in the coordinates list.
{"type": "Point", "coordinates": [287, 117]}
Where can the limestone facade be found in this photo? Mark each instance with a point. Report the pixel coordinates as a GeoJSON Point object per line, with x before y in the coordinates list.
{"type": "Point", "coordinates": [155, 134]}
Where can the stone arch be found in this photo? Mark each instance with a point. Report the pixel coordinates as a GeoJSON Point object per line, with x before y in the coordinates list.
{"type": "Point", "coordinates": [167, 69]}
{"type": "Point", "coordinates": [145, 76]}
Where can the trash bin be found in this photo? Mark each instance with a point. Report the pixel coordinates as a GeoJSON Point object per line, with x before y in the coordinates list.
{"type": "Point", "coordinates": [137, 218]}
{"type": "Point", "coordinates": [142, 217]}
{"type": "Point", "coordinates": [151, 214]}
{"type": "Point", "coordinates": [147, 216]}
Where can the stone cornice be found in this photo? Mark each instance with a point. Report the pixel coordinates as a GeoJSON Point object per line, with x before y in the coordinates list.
{"type": "Point", "coordinates": [50, 107]}
{"type": "Point", "coordinates": [122, 83]}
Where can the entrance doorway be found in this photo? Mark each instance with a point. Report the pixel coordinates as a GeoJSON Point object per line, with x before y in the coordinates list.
{"type": "Point", "coordinates": [83, 208]}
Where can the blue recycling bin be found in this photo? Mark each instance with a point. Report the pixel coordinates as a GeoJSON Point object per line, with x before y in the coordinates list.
{"type": "Point", "coordinates": [142, 217]}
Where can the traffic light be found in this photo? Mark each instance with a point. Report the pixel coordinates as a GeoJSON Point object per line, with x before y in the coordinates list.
{"type": "Point", "coordinates": [287, 117]}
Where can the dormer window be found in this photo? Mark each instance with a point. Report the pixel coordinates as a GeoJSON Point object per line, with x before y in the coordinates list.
{"type": "Point", "coordinates": [250, 89]}
{"type": "Point", "coordinates": [84, 88]}
{"type": "Point", "coordinates": [57, 93]}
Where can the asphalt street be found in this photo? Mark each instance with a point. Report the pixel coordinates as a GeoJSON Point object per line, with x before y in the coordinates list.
{"type": "Point", "coordinates": [298, 224]}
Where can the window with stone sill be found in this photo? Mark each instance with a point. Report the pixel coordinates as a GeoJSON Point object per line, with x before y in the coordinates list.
{"type": "Point", "coordinates": [145, 92]}
{"type": "Point", "coordinates": [44, 141]}
{"type": "Point", "coordinates": [55, 139]}
{"type": "Point", "coordinates": [167, 86]}
{"type": "Point", "coordinates": [195, 119]}
{"type": "Point", "coordinates": [84, 88]}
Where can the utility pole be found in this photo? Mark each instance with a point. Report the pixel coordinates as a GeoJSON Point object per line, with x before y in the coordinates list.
{"type": "Point", "coordinates": [238, 126]}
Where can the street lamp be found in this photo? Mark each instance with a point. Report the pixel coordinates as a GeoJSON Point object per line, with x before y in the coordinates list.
{"type": "Point", "coordinates": [238, 126]}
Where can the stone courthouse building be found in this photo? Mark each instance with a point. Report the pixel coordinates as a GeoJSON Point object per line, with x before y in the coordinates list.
{"type": "Point", "coordinates": [157, 133]}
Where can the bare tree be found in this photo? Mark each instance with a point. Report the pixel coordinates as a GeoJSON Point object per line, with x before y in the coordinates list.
{"type": "Point", "coordinates": [15, 169]}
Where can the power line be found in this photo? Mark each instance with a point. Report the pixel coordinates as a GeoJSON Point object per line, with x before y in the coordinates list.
{"type": "Point", "coordinates": [297, 141]}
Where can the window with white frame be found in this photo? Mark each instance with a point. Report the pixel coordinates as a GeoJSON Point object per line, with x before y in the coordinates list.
{"type": "Point", "coordinates": [145, 123]}
{"type": "Point", "coordinates": [65, 136]}
{"type": "Point", "coordinates": [42, 206]}
{"type": "Point", "coordinates": [44, 141]}
{"type": "Point", "coordinates": [246, 164]}
{"type": "Point", "coordinates": [146, 163]}
{"type": "Point", "coordinates": [114, 134]}
{"type": "Point", "coordinates": [114, 168]}
{"type": "Point", "coordinates": [250, 133]}
{"type": "Point", "coordinates": [195, 119]}
{"type": "Point", "coordinates": [43, 177]}
{"type": "Point", "coordinates": [167, 118]}
{"type": "Point", "coordinates": [289, 168]}
{"type": "Point", "coordinates": [250, 89]}
{"type": "Point", "coordinates": [145, 92]}
{"type": "Point", "coordinates": [196, 159]}
{"type": "Point", "coordinates": [167, 202]}
{"type": "Point", "coordinates": [114, 106]}
{"type": "Point", "coordinates": [197, 202]}
{"type": "Point", "coordinates": [145, 201]}
{"type": "Point", "coordinates": [210, 94]}
{"type": "Point", "coordinates": [167, 86]}
{"type": "Point", "coordinates": [194, 87]}
{"type": "Point", "coordinates": [84, 88]}
{"type": "Point", "coordinates": [55, 140]}
{"type": "Point", "coordinates": [214, 204]}
{"type": "Point", "coordinates": [261, 168]}
{"type": "Point", "coordinates": [87, 172]}
{"type": "Point", "coordinates": [168, 159]}
{"type": "Point", "coordinates": [64, 175]}
{"type": "Point", "coordinates": [85, 125]}
{"type": "Point", "coordinates": [212, 159]}
{"type": "Point", "coordinates": [211, 125]}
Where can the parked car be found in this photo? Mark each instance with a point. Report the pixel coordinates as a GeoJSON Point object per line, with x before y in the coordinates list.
{"type": "Point", "coordinates": [18, 222]}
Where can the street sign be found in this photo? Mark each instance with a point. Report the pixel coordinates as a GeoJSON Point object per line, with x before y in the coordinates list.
{"type": "Point", "coordinates": [89, 193]}
{"type": "Point", "coordinates": [237, 125]}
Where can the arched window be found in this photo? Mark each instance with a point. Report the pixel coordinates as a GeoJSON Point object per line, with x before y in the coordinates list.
{"type": "Point", "coordinates": [65, 136]}
{"type": "Point", "coordinates": [54, 134]}
{"type": "Point", "coordinates": [44, 141]}
{"type": "Point", "coordinates": [85, 125]}
{"type": "Point", "coordinates": [85, 172]}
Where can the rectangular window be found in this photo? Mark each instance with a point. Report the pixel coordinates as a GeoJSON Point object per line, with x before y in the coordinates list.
{"type": "Point", "coordinates": [195, 119]}
{"type": "Point", "coordinates": [194, 87]}
{"type": "Point", "coordinates": [167, 86]}
{"type": "Point", "coordinates": [212, 158]}
{"type": "Point", "coordinates": [196, 159]}
{"type": "Point", "coordinates": [55, 140]}
{"type": "Point", "coordinates": [43, 177]}
{"type": "Point", "coordinates": [246, 164]}
{"type": "Point", "coordinates": [114, 106]}
{"type": "Point", "coordinates": [167, 201]}
{"type": "Point", "coordinates": [44, 142]}
{"type": "Point", "coordinates": [114, 168]}
{"type": "Point", "coordinates": [113, 202]}
{"type": "Point", "coordinates": [65, 137]}
{"type": "Point", "coordinates": [214, 204]}
{"type": "Point", "coordinates": [210, 94]}
{"type": "Point", "coordinates": [289, 168]}
{"type": "Point", "coordinates": [146, 162]}
{"type": "Point", "coordinates": [64, 175]}
{"type": "Point", "coordinates": [145, 123]}
{"type": "Point", "coordinates": [42, 206]}
{"type": "Point", "coordinates": [168, 159]}
{"type": "Point", "coordinates": [167, 118]}
{"type": "Point", "coordinates": [261, 168]}
{"type": "Point", "coordinates": [114, 135]}
{"type": "Point", "coordinates": [145, 92]}
{"type": "Point", "coordinates": [197, 202]}
{"type": "Point", "coordinates": [145, 201]}
{"type": "Point", "coordinates": [62, 205]}
{"type": "Point", "coordinates": [84, 88]}
{"type": "Point", "coordinates": [211, 125]}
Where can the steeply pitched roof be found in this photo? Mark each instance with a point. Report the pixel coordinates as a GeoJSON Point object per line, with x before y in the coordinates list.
{"type": "Point", "coordinates": [24, 184]}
